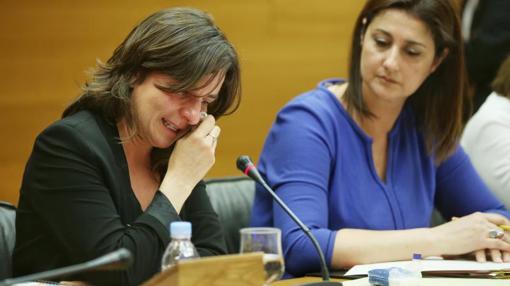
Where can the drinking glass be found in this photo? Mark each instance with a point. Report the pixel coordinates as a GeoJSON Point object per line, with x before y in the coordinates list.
{"type": "Point", "coordinates": [268, 241]}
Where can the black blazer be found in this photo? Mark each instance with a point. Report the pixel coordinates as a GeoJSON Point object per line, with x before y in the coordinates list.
{"type": "Point", "coordinates": [488, 46]}
{"type": "Point", "coordinates": [76, 203]}
{"type": "Point", "coordinates": [7, 238]}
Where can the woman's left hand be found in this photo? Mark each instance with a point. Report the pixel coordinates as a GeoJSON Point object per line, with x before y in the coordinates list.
{"type": "Point", "coordinates": [471, 234]}
{"type": "Point", "coordinates": [495, 254]}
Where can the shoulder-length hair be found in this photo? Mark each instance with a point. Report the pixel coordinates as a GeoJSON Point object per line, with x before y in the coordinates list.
{"type": "Point", "coordinates": [438, 102]}
{"type": "Point", "coordinates": [183, 43]}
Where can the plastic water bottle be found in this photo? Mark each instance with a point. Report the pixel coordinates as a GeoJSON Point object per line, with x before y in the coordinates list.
{"type": "Point", "coordinates": [180, 247]}
{"type": "Point", "coordinates": [408, 276]}
{"type": "Point", "coordinates": [416, 265]}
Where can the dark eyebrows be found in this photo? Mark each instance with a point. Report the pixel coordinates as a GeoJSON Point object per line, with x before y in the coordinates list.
{"type": "Point", "coordinates": [383, 31]}
{"type": "Point", "coordinates": [410, 42]}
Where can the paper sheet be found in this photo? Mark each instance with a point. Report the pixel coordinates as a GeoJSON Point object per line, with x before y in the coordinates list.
{"type": "Point", "coordinates": [440, 281]}
{"type": "Point", "coordinates": [433, 265]}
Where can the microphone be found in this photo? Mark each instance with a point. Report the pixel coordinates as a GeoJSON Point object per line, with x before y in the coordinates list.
{"type": "Point", "coordinates": [117, 260]}
{"type": "Point", "coordinates": [246, 166]}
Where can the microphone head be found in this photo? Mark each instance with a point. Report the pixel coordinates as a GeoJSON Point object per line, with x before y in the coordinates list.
{"type": "Point", "coordinates": [243, 162]}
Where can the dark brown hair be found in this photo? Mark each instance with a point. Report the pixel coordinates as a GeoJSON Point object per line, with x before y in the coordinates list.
{"type": "Point", "coordinates": [183, 43]}
{"type": "Point", "coordinates": [501, 84]}
{"type": "Point", "coordinates": [438, 102]}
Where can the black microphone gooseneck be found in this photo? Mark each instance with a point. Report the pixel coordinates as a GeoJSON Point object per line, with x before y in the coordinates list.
{"type": "Point", "coordinates": [246, 166]}
{"type": "Point", "coordinates": [117, 260]}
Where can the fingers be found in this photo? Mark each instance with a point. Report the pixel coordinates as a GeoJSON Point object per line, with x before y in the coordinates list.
{"type": "Point", "coordinates": [506, 237]}
{"type": "Point", "coordinates": [205, 126]}
{"type": "Point", "coordinates": [488, 226]}
{"type": "Point", "coordinates": [496, 219]}
{"type": "Point", "coordinates": [497, 243]}
{"type": "Point", "coordinates": [496, 255]}
{"type": "Point", "coordinates": [499, 256]}
{"type": "Point", "coordinates": [486, 233]}
{"type": "Point", "coordinates": [480, 255]}
{"type": "Point", "coordinates": [212, 137]}
{"type": "Point", "coordinates": [506, 256]}
{"type": "Point", "coordinates": [208, 129]}
{"type": "Point", "coordinates": [497, 248]}
{"type": "Point", "coordinates": [215, 132]}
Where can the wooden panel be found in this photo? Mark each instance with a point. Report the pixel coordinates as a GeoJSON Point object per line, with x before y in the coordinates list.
{"type": "Point", "coordinates": [225, 270]}
{"type": "Point", "coordinates": [285, 46]}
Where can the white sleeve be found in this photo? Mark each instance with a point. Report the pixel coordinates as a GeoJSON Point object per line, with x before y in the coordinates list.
{"type": "Point", "coordinates": [490, 155]}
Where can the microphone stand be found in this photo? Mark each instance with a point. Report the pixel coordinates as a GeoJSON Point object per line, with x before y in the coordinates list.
{"type": "Point", "coordinates": [117, 260]}
{"type": "Point", "coordinates": [245, 164]}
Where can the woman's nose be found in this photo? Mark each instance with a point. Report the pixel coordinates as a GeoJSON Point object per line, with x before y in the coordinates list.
{"type": "Point", "coordinates": [191, 111]}
{"type": "Point", "coordinates": [391, 62]}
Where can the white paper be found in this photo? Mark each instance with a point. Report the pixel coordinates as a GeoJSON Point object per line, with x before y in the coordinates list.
{"type": "Point", "coordinates": [433, 265]}
{"type": "Point", "coordinates": [440, 281]}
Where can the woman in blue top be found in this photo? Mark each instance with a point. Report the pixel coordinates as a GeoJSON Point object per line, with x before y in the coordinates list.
{"type": "Point", "coordinates": [364, 162]}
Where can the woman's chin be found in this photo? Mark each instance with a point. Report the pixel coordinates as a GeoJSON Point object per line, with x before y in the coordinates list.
{"type": "Point", "coordinates": [163, 143]}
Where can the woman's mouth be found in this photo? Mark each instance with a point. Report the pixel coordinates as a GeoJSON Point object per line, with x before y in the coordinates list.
{"type": "Point", "coordinates": [170, 125]}
{"type": "Point", "coordinates": [388, 79]}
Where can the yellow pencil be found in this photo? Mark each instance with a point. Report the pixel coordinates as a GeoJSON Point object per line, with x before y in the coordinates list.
{"type": "Point", "coordinates": [504, 227]}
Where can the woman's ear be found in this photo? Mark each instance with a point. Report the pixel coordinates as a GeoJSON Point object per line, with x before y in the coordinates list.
{"type": "Point", "coordinates": [438, 60]}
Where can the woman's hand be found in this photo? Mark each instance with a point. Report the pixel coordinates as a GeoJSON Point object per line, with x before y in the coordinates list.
{"type": "Point", "coordinates": [470, 234]}
{"type": "Point", "coordinates": [191, 159]}
{"type": "Point", "coordinates": [194, 154]}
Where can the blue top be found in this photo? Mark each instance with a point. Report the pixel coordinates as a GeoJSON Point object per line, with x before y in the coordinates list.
{"type": "Point", "coordinates": [319, 161]}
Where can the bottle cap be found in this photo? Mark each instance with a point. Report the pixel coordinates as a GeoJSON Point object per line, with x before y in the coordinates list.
{"type": "Point", "coordinates": [416, 256]}
{"type": "Point", "coordinates": [180, 229]}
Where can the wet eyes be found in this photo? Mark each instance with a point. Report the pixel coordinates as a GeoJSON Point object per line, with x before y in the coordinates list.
{"type": "Point", "coordinates": [164, 88]}
{"type": "Point", "coordinates": [185, 95]}
{"type": "Point", "coordinates": [204, 101]}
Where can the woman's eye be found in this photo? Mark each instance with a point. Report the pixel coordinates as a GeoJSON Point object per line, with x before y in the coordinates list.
{"type": "Point", "coordinates": [170, 90]}
{"type": "Point", "coordinates": [206, 102]}
{"type": "Point", "coordinates": [413, 52]}
{"type": "Point", "coordinates": [162, 88]}
{"type": "Point", "coordinates": [381, 42]}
